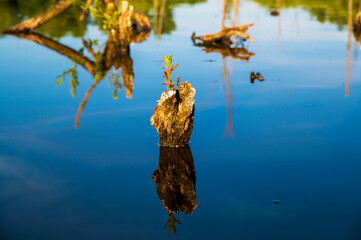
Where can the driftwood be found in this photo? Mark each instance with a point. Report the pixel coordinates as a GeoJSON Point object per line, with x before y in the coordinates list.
{"type": "Point", "coordinates": [226, 33]}
{"type": "Point", "coordinates": [41, 19]}
{"type": "Point", "coordinates": [225, 43]}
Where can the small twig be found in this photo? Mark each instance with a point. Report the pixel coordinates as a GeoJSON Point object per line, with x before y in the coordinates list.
{"type": "Point", "coordinates": [87, 5]}
{"type": "Point", "coordinates": [90, 50]}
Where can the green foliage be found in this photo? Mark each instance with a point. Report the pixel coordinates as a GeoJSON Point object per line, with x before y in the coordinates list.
{"type": "Point", "coordinates": [114, 82]}
{"type": "Point", "coordinates": [109, 16]}
{"type": "Point", "coordinates": [72, 72]}
{"type": "Point", "coordinates": [168, 71]}
{"type": "Point", "coordinates": [171, 224]}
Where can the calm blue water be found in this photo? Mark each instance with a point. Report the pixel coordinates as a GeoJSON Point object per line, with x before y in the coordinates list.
{"type": "Point", "coordinates": [295, 138]}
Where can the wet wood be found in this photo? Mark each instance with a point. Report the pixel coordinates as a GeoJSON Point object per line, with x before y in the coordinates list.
{"type": "Point", "coordinates": [173, 116]}
{"type": "Point", "coordinates": [225, 34]}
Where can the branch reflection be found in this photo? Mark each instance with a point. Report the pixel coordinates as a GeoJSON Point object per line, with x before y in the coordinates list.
{"type": "Point", "coordinates": [229, 42]}
{"type": "Point", "coordinates": [113, 54]}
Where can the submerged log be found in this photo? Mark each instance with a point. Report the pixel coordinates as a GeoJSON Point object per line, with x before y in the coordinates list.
{"type": "Point", "coordinates": [175, 179]}
{"type": "Point", "coordinates": [173, 116]}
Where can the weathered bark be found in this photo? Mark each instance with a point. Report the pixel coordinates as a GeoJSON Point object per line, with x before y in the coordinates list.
{"type": "Point", "coordinates": [175, 179]}
{"type": "Point", "coordinates": [142, 21]}
{"type": "Point", "coordinates": [59, 48]}
{"type": "Point", "coordinates": [37, 21]}
{"type": "Point", "coordinates": [173, 116]}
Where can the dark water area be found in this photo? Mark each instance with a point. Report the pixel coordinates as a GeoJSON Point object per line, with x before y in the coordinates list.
{"type": "Point", "coordinates": [273, 159]}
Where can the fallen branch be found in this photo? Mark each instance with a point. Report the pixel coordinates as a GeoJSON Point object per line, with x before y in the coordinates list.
{"type": "Point", "coordinates": [226, 33]}
{"type": "Point", "coordinates": [41, 19]}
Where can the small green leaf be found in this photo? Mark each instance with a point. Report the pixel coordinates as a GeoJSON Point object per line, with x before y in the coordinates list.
{"type": "Point", "coordinates": [166, 61]}
{"type": "Point", "coordinates": [175, 66]}
{"type": "Point", "coordinates": [170, 60]}
{"type": "Point", "coordinates": [60, 80]}
{"type": "Point", "coordinates": [115, 96]}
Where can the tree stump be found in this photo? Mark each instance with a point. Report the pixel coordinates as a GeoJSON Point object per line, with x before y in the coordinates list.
{"type": "Point", "coordinates": [173, 116]}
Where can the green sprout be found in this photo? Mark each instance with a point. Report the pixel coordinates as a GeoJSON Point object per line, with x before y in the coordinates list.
{"type": "Point", "coordinates": [109, 14]}
{"type": "Point", "coordinates": [114, 82]}
{"type": "Point", "coordinates": [171, 224]}
{"type": "Point", "coordinates": [168, 71]}
{"type": "Point", "coordinates": [72, 72]}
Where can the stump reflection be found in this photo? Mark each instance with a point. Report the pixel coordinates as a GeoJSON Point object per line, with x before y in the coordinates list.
{"type": "Point", "coordinates": [175, 180]}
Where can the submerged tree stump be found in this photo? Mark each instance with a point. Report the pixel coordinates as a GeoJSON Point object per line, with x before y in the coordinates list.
{"type": "Point", "coordinates": [173, 116]}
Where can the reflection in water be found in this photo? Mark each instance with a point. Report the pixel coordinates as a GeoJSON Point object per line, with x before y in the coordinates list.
{"type": "Point", "coordinates": [134, 27]}
{"type": "Point", "coordinates": [229, 129]}
{"type": "Point", "coordinates": [357, 26]}
{"type": "Point", "coordinates": [114, 55]}
{"type": "Point", "coordinates": [227, 45]}
{"type": "Point", "coordinates": [15, 11]}
{"type": "Point", "coordinates": [347, 84]}
{"type": "Point", "coordinates": [331, 11]}
{"type": "Point", "coordinates": [175, 180]}
{"type": "Point", "coordinates": [158, 18]}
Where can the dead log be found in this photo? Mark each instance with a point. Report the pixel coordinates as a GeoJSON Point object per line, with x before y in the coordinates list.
{"type": "Point", "coordinates": [225, 34]}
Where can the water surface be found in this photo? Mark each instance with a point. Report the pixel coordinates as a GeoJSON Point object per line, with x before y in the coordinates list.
{"type": "Point", "coordinates": [294, 137]}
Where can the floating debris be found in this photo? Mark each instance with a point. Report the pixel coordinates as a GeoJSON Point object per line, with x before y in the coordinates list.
{"type": "Point", "coordinates": [274, 13]}
{"type": "Point", "coordinates": [254, 76]}
{"type": "Point", "coordinates": [276, 201]}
